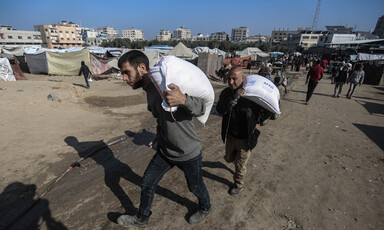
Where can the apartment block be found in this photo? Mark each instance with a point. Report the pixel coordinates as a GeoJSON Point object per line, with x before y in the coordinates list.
{"type": "Point", "coordinates": [10, 36]}
{"type": "Point", "coordinates": [165, 35]}
{"type": "Point", "coordinates": [182, 33]}
{"type": "Point", "coordinates": [62, 35]}
{"type": "Point", "coordinates": [219, 36]}
{"type": "Point", "coordinates": [133, 34]}
{"type": "Point", "coordinates": [240, 34]}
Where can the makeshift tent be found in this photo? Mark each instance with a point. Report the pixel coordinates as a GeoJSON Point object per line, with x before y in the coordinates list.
{"type": "Point", "coordinates": [100, 65]}
{"type": "Point", "coordinates": [183, 52]}
{"type": "Point", "coordinates": [6, 72]}
{"type": "Point", "coordinates": [369, 57]}
{"type": "Point", "coordinates": [163, 49]}
{"type": "Point", "coordinates": [207, 62]}
{"type": "Point", "coordinates": [200, 49]}
{"type": "Point", "coordinates": [236, 61]}
{"type": "Point", "coordinates": [153, 57]}
{"type": "Point", "coordinates": [37, 63]}
{"type": "Point", "coordinates": [18, 51]}
{"type": "Point", "coordinates": [67, 63]}
{"type": "Point", "coordinates": [255, 53]}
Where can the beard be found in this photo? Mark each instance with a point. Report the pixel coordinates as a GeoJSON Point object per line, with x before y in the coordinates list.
{"type": "Point", "coordinates": [139, 83]}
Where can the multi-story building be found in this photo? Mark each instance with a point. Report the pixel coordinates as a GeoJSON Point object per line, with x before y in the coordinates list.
{"type": "Point", "coordinates": [240, 34]}
{"type": "Point", "coordinates": [219, 36]}
{"type": "Point", "coordinates": [133, 34]}
{"type": "Point", "coordinates": [165, 35]}
{"type": "Point", "coordinates": [106, 30]}
{"type": "Point", "coordinates": [257, 39]}
{"type": "Point", "coordinates": [62, 35]}
{"type": "Point", "coordinates": [182, 33]}
{"type": "Point", "coordinates": [379, 29]}
{"type": "Point", "coordinates": [282, 36]}
{"type": "Point", "coordinates": [200, 37]}
{"type": "Point", "coordinates": [10, 36]}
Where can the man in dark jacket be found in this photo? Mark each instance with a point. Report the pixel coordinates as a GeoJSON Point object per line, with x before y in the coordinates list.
{"type": "Point", "coordinates": [240, 126]}
{"type": "Point", "coordinates": [85, 70]}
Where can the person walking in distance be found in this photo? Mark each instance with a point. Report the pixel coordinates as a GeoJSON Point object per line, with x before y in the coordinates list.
{"type": "Point", "coordinates": [313, 77]}
{"type": "Point", "coordinates": [85, 70]}
{"type": "Point", "coordinates": [340, 80]}
{"type": "Point", "coordinates": [356, 78]}
{"type": "Point", "coordinates": [178, 143]}
{"type": "Point", "coordinates": [240, 126]}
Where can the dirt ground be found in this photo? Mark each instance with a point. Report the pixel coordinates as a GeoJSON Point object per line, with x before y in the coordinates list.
{"type": "Point", "coordinates": [319, 166]}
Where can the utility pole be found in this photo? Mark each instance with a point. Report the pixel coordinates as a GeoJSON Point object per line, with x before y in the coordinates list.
{"type": "Point", "coordinates": [314, 24]}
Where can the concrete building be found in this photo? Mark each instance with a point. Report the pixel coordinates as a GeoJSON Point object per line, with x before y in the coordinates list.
{"type": "Point", "coordinates": [257, 39]}
{"type": "Point", "coordinates": [62, 35]}
{"type": "Point", "coordinates": [219, 36]}
{"type": "Point", "coordinates": [182, 34]}
{"type": "Point", "coordinates": [309, 39]}
{"type": "Point", "coordinates": [10, 36]}
{"type": "Point", "coordinates": [133, 34]}
{"type": "Point", "coordinates": [165, 35]}
{"type": "Point", "coordinates": [106, 30]}
{"type": "Point", "coordinates": [282, 36]}
{"type": "Point", "coordinates": [379, 29]}
{"type": "Point", "coordinates": [200, 37]}
{"type": "Point", "coordinates": [240, 34]}
{"type": "Point", "coordinates": [332, 38]}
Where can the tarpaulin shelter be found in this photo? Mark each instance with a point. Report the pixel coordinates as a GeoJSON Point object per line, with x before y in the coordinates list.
{"type": "Point", "coordinates": [255, 53]}
{"type": "Point", "coordinates": [153, 57]}
{"type": "Point", "coordinates": [6, 72]}
{"type": "Point", "coordinates": [37, 63]}
{"type": "Point", "coordinates": [237, 61]}
{"type": "Point", "coordinates": [203, 49]}
{"type": "Point", "coordinates": [18, 51]}
{"type": "Point", "coordinates": [67, 63]}
{"type": "Point", "coordinates": [15, 67]}
{"type": "Point", "coordinates": [183, 52]}
{"type": "Point", "coordinates": [100, 65]}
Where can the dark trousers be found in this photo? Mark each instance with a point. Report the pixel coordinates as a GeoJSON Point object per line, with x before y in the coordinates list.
{"type": "Point", "coordinates": [86, 79]}
{"type": "Point", "coordinates": [156, 169]}
{"type": "Point", "coordinates": [311, 87]}
{"type": "Point", "coordinates": [352, 88]}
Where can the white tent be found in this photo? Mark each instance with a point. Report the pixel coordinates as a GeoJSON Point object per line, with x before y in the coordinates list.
{"type": "Point", "coordinates": [181, 51]}
{"type": "Point", "coordinates": [256, 53]}
{"type": "Point", "coordinates": [202, 49]}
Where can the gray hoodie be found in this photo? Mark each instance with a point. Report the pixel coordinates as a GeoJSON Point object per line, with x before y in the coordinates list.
{"type": "Point", "coordinates": [176, 132]}
{"type": "Point", "coordinates": [356, 77]}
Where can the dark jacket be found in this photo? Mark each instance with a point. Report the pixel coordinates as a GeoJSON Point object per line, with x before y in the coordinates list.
{"type": "Point", "coordinates": [342, 77]}
{"type": "Point", "coordinates": [243, 112]}
{"type": "Point", "coordinates": [84, 69]}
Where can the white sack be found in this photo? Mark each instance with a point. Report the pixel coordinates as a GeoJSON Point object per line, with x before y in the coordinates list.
{"type": "Point", "coordinates": [6, 71]}
{"type": "Point", "coordinates": [190, 79]}
{"type": "Point", "coordinates": [263, 92]}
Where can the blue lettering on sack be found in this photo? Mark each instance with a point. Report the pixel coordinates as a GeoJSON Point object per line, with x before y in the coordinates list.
{"type": "Point", "coordinates": [250, 83]}
{"type": "Point", "coordinates": [269, 85]}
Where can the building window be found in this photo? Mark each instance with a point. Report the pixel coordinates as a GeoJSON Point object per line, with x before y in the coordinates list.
{"type": "Point", "coordinates": [9, 36]}
{"type": "Point", "coordinates": [29, 37]}
{"type": "Point", "coordinates": [313, 37]}
{"type": "Point", "coordinates": [67, 38]}
{"type": "Point", "coordinates": [19, 37]}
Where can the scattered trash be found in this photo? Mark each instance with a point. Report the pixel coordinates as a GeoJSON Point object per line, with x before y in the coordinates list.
{"type": "Point", "coordinates": [20, 90]}
{"type": "Point", "coordinates": [3, 88]}
{"type": "Point", "coordinates": [318, 123]}
{"type": "Point", "coordinates": [52, 97]}
{"type": "Point", "coordinates": [347, 169]}
{"type": "Point", "coordinates": [336, 126]}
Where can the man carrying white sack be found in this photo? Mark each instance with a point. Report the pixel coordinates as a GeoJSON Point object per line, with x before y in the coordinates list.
{"type": "Point", "coordinates": [240, 126]}
{"type": "Point", "coordinates": [178, 143]}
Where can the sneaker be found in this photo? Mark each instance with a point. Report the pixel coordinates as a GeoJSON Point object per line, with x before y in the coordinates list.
{"type": "Point", "coordinates": [199, 216]}
{"type": "Point", "coordinates": [338, 96]}
{"type": "Point", "coordinates": [138, 220]}
{"type": "Point", "coordinates": [235, 191]}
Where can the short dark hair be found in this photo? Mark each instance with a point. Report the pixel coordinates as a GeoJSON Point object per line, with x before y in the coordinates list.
{"type": "Point", "coordinates": [135, 58]}
{"type": "Point", "coordinates": [276, 79]}
{"type": "Point", "coordinates": [318, 62]}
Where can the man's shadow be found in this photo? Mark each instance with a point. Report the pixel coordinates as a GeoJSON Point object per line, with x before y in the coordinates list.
{"type": "Point", "coordinates": [19, 209]}
{"type": "Point", "coordinates": [114, 170]}
{"type": "Point", "coordinates": [81, 85]}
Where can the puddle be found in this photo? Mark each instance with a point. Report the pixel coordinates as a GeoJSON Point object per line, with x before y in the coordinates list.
{"type": "Point", "coordinates": [116, 102]}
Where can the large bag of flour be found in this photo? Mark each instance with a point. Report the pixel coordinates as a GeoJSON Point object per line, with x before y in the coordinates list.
{"type": "Point", "coordinates": [263, 92]}
{"type": "Point", "coordinates": [190, 79]}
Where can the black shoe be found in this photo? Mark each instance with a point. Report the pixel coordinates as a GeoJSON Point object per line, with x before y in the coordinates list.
{"type": "Point", "coordinates": [235, 191]}
{"type": "Point", "coordinates": [199, 216]}
{"type": "Point", "coordinates": [138, 220]}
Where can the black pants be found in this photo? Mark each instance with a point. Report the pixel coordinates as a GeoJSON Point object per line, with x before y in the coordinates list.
{"type": "Point", "coordinates": [311, 87]}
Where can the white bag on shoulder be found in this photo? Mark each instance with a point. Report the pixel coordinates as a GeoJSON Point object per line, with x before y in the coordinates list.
{"type": "Point", "coordinates": [263, 92]}
{"type": "Point", "coordinates": [190, 79]}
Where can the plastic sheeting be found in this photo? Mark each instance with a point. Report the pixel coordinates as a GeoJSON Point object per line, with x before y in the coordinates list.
{"type": "Point", "coordinates": [100, 65]}
{"type": "Point", "coordinates": [67, 63]}
{"type": "Point", "coordinates": [367, 57]}
{"type": "Point", "coordinates": [6, 72]}
{"type": "Point", "coordinates": [37, 63]}
{"type": "Point", "coordinates": [201, 49]}
{"type": "Point", "coordinates": [181, 51]}
{"type": "Point", "coordinates": [255, 53]}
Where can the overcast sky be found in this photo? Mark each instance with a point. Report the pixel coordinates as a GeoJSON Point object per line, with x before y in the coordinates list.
{"type": "Point", "coordinates": [200, 16]}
